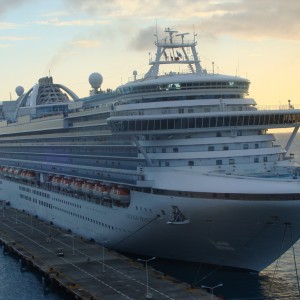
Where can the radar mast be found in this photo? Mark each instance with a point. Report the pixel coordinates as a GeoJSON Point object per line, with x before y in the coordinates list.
{"type": "Point", "coordinates": [174, 50]}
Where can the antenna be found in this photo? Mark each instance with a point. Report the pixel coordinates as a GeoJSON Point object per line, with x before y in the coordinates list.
{"type": "Point", "coordinates": [182, 36]}
{"type": "Point", "coordinates": [156, 34]}
{"type": "Point", "coordinates": [194, 32]}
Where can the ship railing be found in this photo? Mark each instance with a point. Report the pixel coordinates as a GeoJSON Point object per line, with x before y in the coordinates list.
{"type": "Point", "coordinates": [277, 107]}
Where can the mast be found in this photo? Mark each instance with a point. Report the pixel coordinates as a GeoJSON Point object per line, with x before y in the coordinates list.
{"type": "Point", "coordinates": [172, 50]}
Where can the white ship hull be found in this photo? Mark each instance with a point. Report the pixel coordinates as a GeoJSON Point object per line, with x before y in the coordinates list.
{"type": "Point", "coordinates": [233, 233]}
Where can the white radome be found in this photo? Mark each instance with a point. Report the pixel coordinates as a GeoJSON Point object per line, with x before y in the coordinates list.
{"type": "Point", "coordinates": [95, 80]}
{"type": "Point", "coordinates": [19, 90]}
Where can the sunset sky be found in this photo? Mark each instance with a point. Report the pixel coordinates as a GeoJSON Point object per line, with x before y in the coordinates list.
{"type": "Point", "coordinates": [256, 39]}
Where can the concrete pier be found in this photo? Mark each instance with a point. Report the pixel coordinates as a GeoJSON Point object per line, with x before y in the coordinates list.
{"type": "Point", "coordinates": [83, 268]}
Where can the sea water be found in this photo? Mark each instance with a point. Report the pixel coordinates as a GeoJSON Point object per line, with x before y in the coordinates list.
{"type": "Point", "coordinates": [278, 281]}
{"type": "Point", "coordinates": [16, 284]}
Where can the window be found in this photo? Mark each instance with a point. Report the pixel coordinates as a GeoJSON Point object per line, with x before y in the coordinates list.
{"type": "Point", "coordinates": [219, 162]}
{"type": "Point", "coordinates": [265, 158]}
{"type": "Point", "coordinates": [225, 148]}
{"type": "Point", "coordinates": [191, 163]}
{"type": "Point", "coordinates": [256, 159]}
{"type": "Point", "coordinates": [246, 146]}
{"type": "Point", "coordinates": [231, 161]}
{"type": "Point", "coordinates": [211, 148]}
{"type": "Point", "coordinates": [181, 110]}
{"type": "Point", "coordinates": [175, 149]}
{"type": "Point", "coordinates": [256, 146]}
{"type": "Point", "coordinates": [167, 164]}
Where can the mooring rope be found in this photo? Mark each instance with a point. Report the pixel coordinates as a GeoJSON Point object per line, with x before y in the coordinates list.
{"type": "Point", "coordinates": [277, 262]}
{"type": "Point", "coordinates": [295, 263]}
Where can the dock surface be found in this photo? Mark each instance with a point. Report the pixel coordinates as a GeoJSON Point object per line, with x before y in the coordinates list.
{"type": "Point", "coordinates": [83, 268]}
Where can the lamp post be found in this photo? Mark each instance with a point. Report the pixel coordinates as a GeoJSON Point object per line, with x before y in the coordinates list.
{"type": "Point", "coordinates": [212, 289]}
{"type": "Point", "coordinates": [103, 252]}
{"type": "Point", "coordinates": [103, 267]}
{"type": "Point", "coordinates": [148, 295]}
{"type": "Point", "coordinates": [73, 243]}
{"type": "Point", "coordinates": [31, 223]}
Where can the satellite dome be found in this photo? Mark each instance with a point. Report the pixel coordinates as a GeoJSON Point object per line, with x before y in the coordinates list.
{"type": "Point", "coordinates": [95, 80]}
{"type": "Point", "coordinates": [19, 90]}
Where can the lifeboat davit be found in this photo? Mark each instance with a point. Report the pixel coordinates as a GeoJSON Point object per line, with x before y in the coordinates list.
{"type": "Point", "coordinates": [88, 186]}
{"type": "Point", "coordinates": [76, 184]}
{"type": "Point", "coordinates": [30, 175]}
{"type": "Point", "coordinates": [121, 194]}
{"type": "Point", "coordinates": [105, 191]}
{"type": "Point", "coordinates": [66, 182]}
{"type": "Point", "coordinates": [97, 189]}
{"type": "Point", "coordinates": [16, 173]}
{"type": "Point", "coordinates": [4, 171]}
{"type": "Point", "coordinates": [10, 172]}
{"type": "Point", "coordinates": [56, 180]}
{"type": "Point", "coordinates": [23, 174]}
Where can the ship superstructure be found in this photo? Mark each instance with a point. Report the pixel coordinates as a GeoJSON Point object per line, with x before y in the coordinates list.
{"type": "Point", "coordinates": [176, 164]}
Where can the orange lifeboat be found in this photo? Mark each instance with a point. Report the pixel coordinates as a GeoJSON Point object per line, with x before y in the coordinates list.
{"type": "Point", "coordinates": [97, 189]}
{"type": "Point", "coordinates": [30, 175]}
{"type": "Point", "coordinates": [105, 191]}
{"type": "Point", "coordinates": [10, 172]}
{"type": "Point", "coordinates": [23, 174]}
{"type": "Point", "coordinates": [121, 194]}
{"type": "Point", "coordinates": [66, 182]}
{"type": "Point", "coordinates": [56, 180]}
{"type": "Point", "coordinates": [77, 184]}
{"type": "Point", "coordinates": [88, 186]}
{"type": "Point", "coordinates": [16, 173]}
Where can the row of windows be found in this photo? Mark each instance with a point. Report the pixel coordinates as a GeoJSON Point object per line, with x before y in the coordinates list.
{"type": "Point", "coordinates": [35, 192]}
{"type": "Point", "coordinates": [207, 122]}
{"type": "Point", "coordinates": [69, 149]}
{"type": "Point", "coordinates": [230, 161]}
{"type": "Point", "coordinates": [90, 219]}
{"type": "Point", "coordinates": [50, 206]}
{"type": "Point", "coordinates": [25, 189]}
{"type": "Point", "coordinates": [39, 193]}
{"type": "Point", "coordinates": [229, 196]}
{"type": "Point", "coordinates": [66, 202]}
{"type": "Point", "coordinates": [244, 85]}
{"type": "Point", "coordinates": [34, 200]}
{"type": "Point", "coordinates": [204, 148]}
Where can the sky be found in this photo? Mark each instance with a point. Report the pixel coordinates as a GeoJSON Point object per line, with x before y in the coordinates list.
{"type": "Point", "coordinates": [70, 39]}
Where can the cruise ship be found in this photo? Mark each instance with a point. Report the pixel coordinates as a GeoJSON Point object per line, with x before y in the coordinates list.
{"type": "Point", "coordinates": [178, 163]}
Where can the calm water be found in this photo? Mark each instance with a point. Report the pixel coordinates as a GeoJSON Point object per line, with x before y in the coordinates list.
{"type": "Point", "coordinates": [15, 284]}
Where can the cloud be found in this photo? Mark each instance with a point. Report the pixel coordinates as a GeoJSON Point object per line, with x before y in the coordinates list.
{"type": "Point", "coordinates": [86, 43]}
{"type": "Point", "coordinates": [7, 5]}
{"type": "Point", "coordinates": [255, 19]}
{"type": "Point", "coordinates": [17, 38]}
{"type": "Point", "coordinates": [266, 19]}
{"type": "Point", "coordinates": [65, 23]}
{"type": "Point", "coordinates": [6, 25]}
{"type": "Point", "coordinates": [143, 39]}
